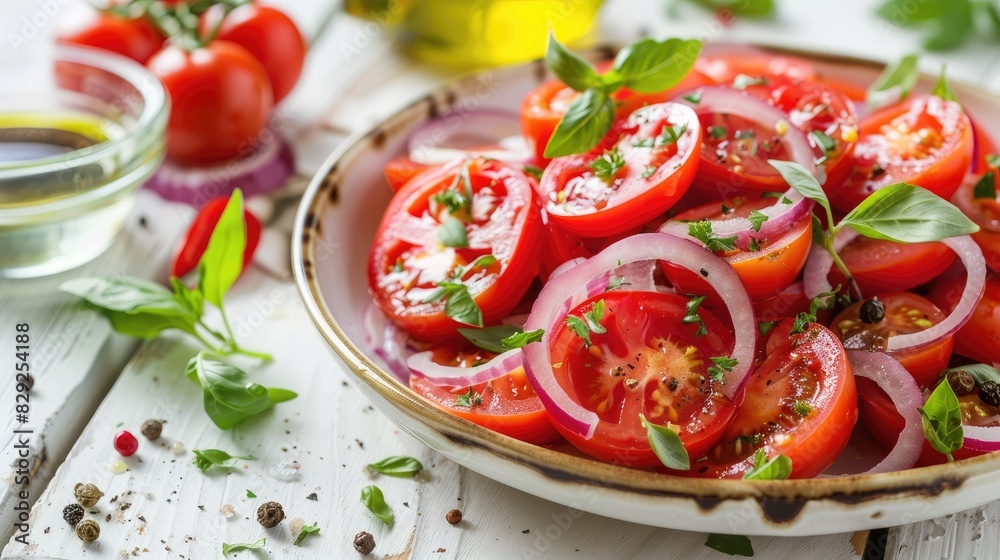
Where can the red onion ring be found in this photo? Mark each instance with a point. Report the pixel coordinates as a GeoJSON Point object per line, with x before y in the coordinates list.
{"type": "Point", "coordinates": [422, 363]}
{"type": "Point", "coordinates": [984, 439]}
{"type": "Point", "coordinates": [781, 218]}
{"type": "Point", "coordinates": [893, 378]}
{"type": "Point", "coordinates": [561, 294]}
{"type": "Point", "coordinates": [459, 134]}
{"type": "Point", "coordinates": [388, 341]}
{"type": "Point", "coordinates": [820, 261]}
{"type": "Point", "coordinates": [265, 169]}
{"type": "Point", "coordinates": [975, 283]}
{"type": "Point", "coordinates": [727, 101]}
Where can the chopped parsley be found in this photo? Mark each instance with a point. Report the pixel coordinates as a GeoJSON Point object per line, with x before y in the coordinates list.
{"type": "Point", "coordinates": [469, 399]}
{"type": "Point", "coordinates": [717, 132]}
{"type": "Point", "coordinates": [649, 171]}
{"type": "Point", "coordinates": [608, 165]}
{"type": "Point", "coordinates": [753, 245]}
{"type": "Point", "coordinates": [590, 323]}
{"type": "Point", "coordinates": [671, 134]}
{"type": "Point", "coordinates": [535, 172]}
{"type": "Point", "coordinates": [452, 200]}
{"type": "Point", "coordinates": [765, 327]}
{"type": "Point", "coordinates": [802, 408]}
{"type": "Point", "coordinates": [723, 365]}
{"type": "Point", "coordinates": [694, 96]}
{"type": "Point", "coordinates": [757, 219]}
{"type": "Point", "coordinates": [702, 231]}
{"type": "Point", "coordinates": [744, 134]}
{"type": "Point", "coordinates": [826, 300]}
{"type": "Point", "coordinates": [825, 143]}
{"type": "Point", "coordinates": [986, 187]}
{"type": "Point", "coordinates": [692, 316]}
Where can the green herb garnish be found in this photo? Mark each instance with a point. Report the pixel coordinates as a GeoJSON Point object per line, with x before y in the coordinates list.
{"type": "Point", "coordinates": [667, 445]}
{"type": "Point", "coordinates": [373, 499]}
{"type": "Point", "coordinates": [399, 466]}
{"type": "Point", "coordinates": [942, 420]}
{"type": "Point", "coordinates": [237, 547]}
{"type": "Point", "coordinates": [778, 468]}
{"type": "Point", "coordinates": [305, 532]}
{"type": "Point", "coordinates": [702, 231]}
{"type": "Point", "coordinates": [692, 315]}
{"type": "Point", "coordinates": [208, 459]}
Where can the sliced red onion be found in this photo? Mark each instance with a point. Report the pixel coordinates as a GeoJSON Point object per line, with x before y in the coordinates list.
{"type": "Point", "coordinates": [815, 273]}
{"type": "Point", "coordinates": [423, 364]}
{"type": "Point", "coordinates": [265, 169]}
{"type": "Point", "coordinates": [459, 135]}
{"type": "Point", "coordinates": [566, 266]}
{"type": "Point", "coordinates": [781, 218]}
{"type": "Point", "coordinates": [388, 341]}
{"type": "Point", "coordinates": [975, 283]}
{"type": "Point", "coordinates": [984, 439]}
{"type": "Point", "coordinates": [899, 385]}
{"type": "Point", "coordinates": [561, 294]}
{"type": "Point", "coordinates": [728, 101]}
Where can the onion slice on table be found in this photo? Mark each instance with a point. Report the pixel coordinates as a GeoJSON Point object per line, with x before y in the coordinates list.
{"type": "Point", "coordinates": [460, 134]}
{"type": "Point", "coordinates": [727, 101]}
{"type": "Point", "coordinates": [265, 169]}
{"type": "Point", "coordinates": [564, 292]}
{"type": "Point", "coordinates": [899, 385]}
{"type": "Point", "coordinates": [422, 363]}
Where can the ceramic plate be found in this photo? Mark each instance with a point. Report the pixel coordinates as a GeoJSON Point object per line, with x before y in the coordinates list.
{"type": "Point", "coordinates": [334, 228]}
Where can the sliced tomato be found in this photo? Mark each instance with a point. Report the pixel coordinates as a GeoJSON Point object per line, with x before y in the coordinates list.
{"type": "Point", "coordinates": [881, 266]}
{"type": "Point", "coordinates": [801, 402]}
{"type": "Point", "coordinates": [725, 67]}
{"type": "Point", "coordinates": [785, 304]}
{"type": "Point", "coordinates": [646, 363]}
{"type": "Point", "coordinates": [765, 272]}
{"type": "Point", "coordinates": [985, 211]}
{"type": "Point", "coordinates": [409, 260]}
{"type": "Point", "coordinates": [506, 405]}
{"type": "Point", "coordinates": [401, 169]}
{"type": "Point", "coordinates": [979, 339]}
{"type": "Point", "coordinates": [983, 146]}
{"type": "Point", "coordinates": [196, 241]}
{"type": "Point", "coordinates": [643, 166]}
{"type": "Point", "coordinates": [562, 246]}
{"type": "Point", "coordinates": [905, 313]}
{"type": "Point", "coordinates": [544, 106]}
{"type": "Point", "coordinates": [924, 141]}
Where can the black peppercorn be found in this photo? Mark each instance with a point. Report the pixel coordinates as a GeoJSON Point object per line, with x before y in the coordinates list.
{"type": "Point", "coordinates": [364, 543]}
{"type": "Point", "coordinates": [152, 429]}
{"type": "Point", "coordinates": [88, 530]}
{"type": "Point", "coordinates": [454, 516]}
{"type": "Point", "coordinates": [73, 514]}
{"type": "Point", "coordinates": [961, 382]}
{"type": "Point", "coordinates": [989, 393]}
{"type": "Point", "coordinates": [270, 514]}
{"type": "Point", "coordinates": [872, 311]}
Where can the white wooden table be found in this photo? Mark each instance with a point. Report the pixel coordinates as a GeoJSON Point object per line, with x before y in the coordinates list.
{"type": "Point", "coordinates": [87, 385]}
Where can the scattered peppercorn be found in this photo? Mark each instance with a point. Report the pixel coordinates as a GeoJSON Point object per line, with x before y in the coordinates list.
{"type": "Point", "coordinates": [88, 530]}
{"type": "Point", "coordinates": [270, 514]}
{"type": "Point", "coordinates": [454, 516]}
{"type": "Point", "coordinates": [87, 494]}
{"type": "Point", "coordinates": [152, 429]}
{"type": "Point", "coordinates": [73, 514]}
{"type": "Point", "coordinates": [989, 393]}
{"type": "Point", "coordinates": [961, 381]}
{"type": "Point", "coordinates": [364, 543]}
{"type": "Point", "coordinates": [872, 311]}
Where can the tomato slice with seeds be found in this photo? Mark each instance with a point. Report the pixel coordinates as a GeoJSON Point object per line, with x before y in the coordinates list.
{"type": "Point", "coordinates": [646, 363]}
{"type": "Point", "coordinates": [905, 313]}
{"type": "Point", "coordinates": [880, 266]}
{"type": "Point", "coordinates": [801, 402]}
{"type": "Point", "coordinates": [985, 211]}
{"type": "Point", "coordinates": [507, 404]}
{"type": "Point", "coordinates": [401, 169]}
{"type": "Point", "coordinates": [642, 167]}
{"type": "Point", "coordinates": [562, 246]}
{"type": "Point", "coordinates": [408, 258]}
{"type": "Point", "coordinates": [979, 339]}
{"type": "Point", "coordinates": [924, 141]}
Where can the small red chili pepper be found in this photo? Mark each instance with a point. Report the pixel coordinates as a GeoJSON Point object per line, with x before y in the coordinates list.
{"type": "Point", "coordinates": [125, 443]}
{"type": "Point", "coordinates": [196, 241]}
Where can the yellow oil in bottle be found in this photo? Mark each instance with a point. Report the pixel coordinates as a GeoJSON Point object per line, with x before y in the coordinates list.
{"type": "Point", "coordinates": [469, 33]}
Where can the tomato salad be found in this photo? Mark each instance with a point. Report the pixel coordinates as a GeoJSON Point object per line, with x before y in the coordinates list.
{"type": "Point", "coordinates": [709, 263]}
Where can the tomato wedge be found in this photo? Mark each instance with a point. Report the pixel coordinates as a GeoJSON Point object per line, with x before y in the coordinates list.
{"type": "Point", "coordinates": [905, 313]}
{"type": "Point", "coordinates": [801, 402]}
{"type": "Point", "coordinates": [507, 404]}
{"type": "Point", "coordinates": [646, 363]}
{"type": "Point", "coordinates": [924, 141]}
{"type": "Point", "coordinates": [979, 339]}
{"type": "Point", "coordinates": [409, 257]}
{"type": "Point", "coordinates": [643, 166]}
{"type": "Point", "coordinates": [880, 266]}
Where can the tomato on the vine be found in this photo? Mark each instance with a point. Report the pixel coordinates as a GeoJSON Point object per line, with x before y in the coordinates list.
{"type": "Point", "coordinates": [220, 101]}
{"type": "Point", "coordinates": [135, 38]}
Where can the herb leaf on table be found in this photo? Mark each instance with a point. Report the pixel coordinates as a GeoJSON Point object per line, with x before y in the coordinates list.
{"type": "Point", "coordinates": [228, 396]}
{"type": "Point", "coordinates": [208, 459]}
{"type": "Point", "coordinates": [237, 547]}
{"type": "Point", "coordinates": [373, 499]}
{"type": "Point", "coordinates": [399, 466]}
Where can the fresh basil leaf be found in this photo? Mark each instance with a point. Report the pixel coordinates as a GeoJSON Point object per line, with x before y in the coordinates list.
{"type": "Point", "coordinates": [207, 459]}
{"type": "Point", "coordinates": [800, 179]}
{"type": "Point", "coordinates": [667, 445]}
{"type": "Point", "coordinates": [373, 499]}
{"type": "Point", "coordinates": [193, 300]}
{"type": "Point", "coordinates": [980, 372]}
{"type": "Point", "coordinates": [943, 90]}
{"type": "Point", "coordinates": [579, 328]}
{"type": "Point", "coordinates": [778, 468]}
{"type": "Point", "coordinates": [145, 326]}
{"type": "Point", "coordinates": [237, 547]}
{"type": "Point", "coordinates": [895, 82]}
{"type": "Point", "coordinates": [823, 141]}
{"type": "Point", "coordinates": [992, 160]}
{"type": "Point", "coordinates": [953, 27]}
{"type": "Point", "coordinates": [569, 67]}
{"type": "Point", "coordinates": [908, 12]}
{"type": "Point", "coordinates": [594, 316]}
{"type": "Point", "coordinates": [222, 262]}
{"type": "Point", "coordinates": [490, 338]}
{"type": "Point", "coordinates": [907, 214]}
{"type": "Point", "coordinates": [648, 66]}
{"type": "Point", "coordinates": [522, 339]}
{"type": "Point", "coordinates": [765, 327]}
{"type": "Point", "coordinates": [452, 233]}
{"type": "Point", "coordinates": [250, 494]}
{"type": "Point", "coordinates": [461, 306]}
{"type": "Point", "coordinates": [942, 420]}
{"type": "Point", "coordinates": [986, 187]}
{"type": "Point", "coordinates": [585, 123]}
{"type": "Point", "coordinates": [757, 219]}
{"type": "Point", "coordinates": [717, 132]}
{"type": "Point", "coordinates": [134, 307]}
{"type": "Point", "coordinates": [733, 545]}
{"type": "Point", "coordinates": [818, 233]}
{"type": "Point", "coordinates": [228, 395]}
{"type": "Point", "coordinates": [305, 532]}
{"type": "Point", "coordinates": [398, 465]}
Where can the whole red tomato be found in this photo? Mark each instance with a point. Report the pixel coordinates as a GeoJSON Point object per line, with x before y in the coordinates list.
{"type": "Point", "coordinates": [136, 38]}
{"type": "Point", "coordinates": [220, 100]}
{"type": "Point", "coordinates": [270, 36]}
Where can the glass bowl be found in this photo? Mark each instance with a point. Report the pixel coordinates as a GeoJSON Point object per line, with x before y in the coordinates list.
{"type": "Point", "coordinates": [64, 207]}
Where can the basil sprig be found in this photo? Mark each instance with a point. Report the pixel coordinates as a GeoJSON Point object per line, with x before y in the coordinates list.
{"type": "Point", "coordinates": [667, 445]}
{"type": "Point", "coordinates": [398, 465]}
{"type": "Point", "coordinates": [901, 213]}
{"type": "Point", "coordinates": [227, 394]}
{"type": "Point", "coordinates": [646, 66]}
{"type": "Point", "coordinates": [501, 338]}
{"type": "Point", "coordinates": [942, 420]}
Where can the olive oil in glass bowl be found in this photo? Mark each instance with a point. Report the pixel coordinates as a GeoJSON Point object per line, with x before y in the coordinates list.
{"type": "Point", "coordinates": [70, 160]}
